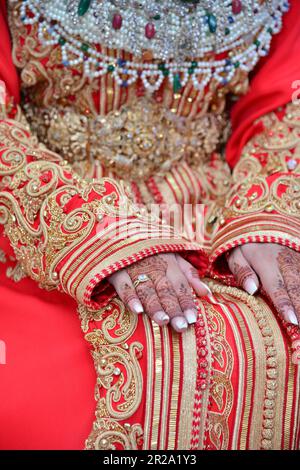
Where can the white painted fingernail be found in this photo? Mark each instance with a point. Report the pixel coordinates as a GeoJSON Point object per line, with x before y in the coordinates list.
{"type": "Point", "coordinates": [209, 292]}
{"type": "Point", "coordinates": [191, 316]}
{"type": "Point", "coordinates": [292, 317]}
{"type": "Point", "coordinates": [161, 317]}
{"type": "Point", "coordinates": [250, 286]}
{"type": "Point", "coordinates": [180, 324]}
{"type": "Point", "coordinates": [136, 306]}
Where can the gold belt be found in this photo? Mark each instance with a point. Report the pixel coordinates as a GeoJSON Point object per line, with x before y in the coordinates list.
{"type": "Point", "coordinates": [138, 140]}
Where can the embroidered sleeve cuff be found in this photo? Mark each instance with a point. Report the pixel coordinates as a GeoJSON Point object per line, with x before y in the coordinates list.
{"type": "Point", "coordinates": [263, 204]}
{"type": "Point", "coordinates": [112, 233]}
{"type": "Point", "coordinates": [258, 228]}
{"type": "Point", "coordinates": [68, 233]}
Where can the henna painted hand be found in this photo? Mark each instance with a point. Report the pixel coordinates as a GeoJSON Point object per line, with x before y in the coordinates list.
{"type": "Point", "coordinates": [277, 268]}
{"type": "Point", "coordinates": [166, 294]}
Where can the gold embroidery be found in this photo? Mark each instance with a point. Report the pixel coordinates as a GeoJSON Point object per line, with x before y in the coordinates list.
{"type": "Point", "coordinates": [221, 390]}
{"type": "Point", "coordinates": [2, 257]}
{"type": "Point", "coordinates": [32, 206]}
{"type": "Point", "coordinates": [119, 377]}
{"type": "Point", "coordinates": [16, 273]}
{"type": "Point", "coordinates": [279, 145]}
{"type": "Point", "coordinates": [138, 140]}
{"type": "Point", "coordinates": [257, 306]}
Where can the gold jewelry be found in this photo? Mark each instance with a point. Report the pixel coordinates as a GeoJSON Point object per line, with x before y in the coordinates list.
{"type": "Point", "coordinates": [141, 278]}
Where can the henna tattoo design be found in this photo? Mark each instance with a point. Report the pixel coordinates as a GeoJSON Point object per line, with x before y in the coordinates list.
{"type": "Point", "coordinates": [185, 298]}
{"type": "Point", "coordinates": [163, 292]}
{"type": "Point", "coordinates": [241, 273]}
{"type": "Point", "coordinates": [128, 294]}
{"type": "Point", "coordinates": [289, 265]}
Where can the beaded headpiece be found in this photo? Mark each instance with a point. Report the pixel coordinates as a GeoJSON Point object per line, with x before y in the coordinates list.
{"type": "Point", "coordinates": [181, 35]}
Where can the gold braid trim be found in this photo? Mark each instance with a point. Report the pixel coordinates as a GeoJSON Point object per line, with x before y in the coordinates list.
{"type": "Point", "coordinates": [258, 308]}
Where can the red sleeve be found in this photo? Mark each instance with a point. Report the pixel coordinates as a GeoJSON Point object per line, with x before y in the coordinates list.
{"type": "Point", "coordinates": [271, 85]}
{"type": "Point", "coordinates": [8, 72]}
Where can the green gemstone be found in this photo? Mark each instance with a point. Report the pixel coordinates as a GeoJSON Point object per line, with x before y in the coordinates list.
{"type": "Point", "coordinates": [61, 41]}
{"type": "Point", "coordinates": [256, 42]}
{"type": "Point", "coordinates": [176, 83]}
{"type": "Point", "coordinates": [270, 30]}
{"type": "Point", "coordinates": [166, 72]}
{"type": "Point", "coordinates": [227, 31]}
{"type": "Point", "coordinates": [161, 66]}
{"type": "Point", "coordinates": [212, 22]}
{"type": "Point", "coordinates": [237, 64]}
{"type": "Point", "coordinates": [191, 70]}
{"type": "Point", "coordinates": [84, 47]}
{"type": "Point", "coordinates": [83, 7]}
{"type": "Point", "coordinates": [194, 64]}
{"type": "Point", "coordinates": [156, 17]}
{"type": "Point", "coordinates": [110, 68]}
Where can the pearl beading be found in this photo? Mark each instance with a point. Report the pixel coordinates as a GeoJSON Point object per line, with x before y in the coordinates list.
{"type": "Point", "coordinates": [58, 24]}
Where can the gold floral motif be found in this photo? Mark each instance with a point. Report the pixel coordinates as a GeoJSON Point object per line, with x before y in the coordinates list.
{"type": "Point", "coordinates": [138, 140]}
{"type": "Point", "coordinates": [279, 142]}
{"type": "Point", "coordinates": [109, 434]}
{"type": "Point", "coordinates": [2, 257]}
{"type": "Point", "coordinates": [276, 152]}
{"type": "Point", "coordinates": [32, 203]}
{"type": "Point", "coordinates": [16, 272]}
{"type": "Point", "coordinates": [119, 377]}
{"type": "Point", "coordinates": [221, 390]}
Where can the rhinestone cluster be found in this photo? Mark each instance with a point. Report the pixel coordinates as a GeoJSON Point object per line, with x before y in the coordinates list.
{"type": "Point", "coordinates": [181, 36]}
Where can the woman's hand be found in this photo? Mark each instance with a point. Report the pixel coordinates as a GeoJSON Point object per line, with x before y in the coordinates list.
{"type": "Point", "coordinates": [276, 268]}
{"type": "Point", "coordinates": [160, 286]}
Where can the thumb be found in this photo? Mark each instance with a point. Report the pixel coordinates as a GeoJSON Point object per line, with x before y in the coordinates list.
{"type": "Point", "coordinates": [242, 271]}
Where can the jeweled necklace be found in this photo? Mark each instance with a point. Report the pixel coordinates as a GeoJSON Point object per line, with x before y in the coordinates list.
{"type": "Point", "coordinates": [182, 35]}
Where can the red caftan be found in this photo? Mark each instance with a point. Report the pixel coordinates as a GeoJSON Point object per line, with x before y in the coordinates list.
{"type": "Point", "coordinates": [229, 382]}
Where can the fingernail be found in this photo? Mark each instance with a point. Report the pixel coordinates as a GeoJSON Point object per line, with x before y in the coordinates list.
{"type": "Point", "coordinates": [161, 317]}
{"type": "Point", "coordinates": [292, 317]}
{"type": "Point", "coordinates": [136, 306]}
{"type": "Point", "coordinates": [191, 316]}
{"type": "Point", "coordinates": [179, 324]}
{"type": "Point", "coordinates": [209, 293]}
{"type": "Point", "coordinates": [250, 286]}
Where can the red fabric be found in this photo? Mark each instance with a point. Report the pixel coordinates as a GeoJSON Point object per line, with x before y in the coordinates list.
{"type": "Point", "coordinates": [7, 69]}
{"type": "Point", "coordinates": [47, 383]}
{"type": "Point", "coordinates": [271, 85]}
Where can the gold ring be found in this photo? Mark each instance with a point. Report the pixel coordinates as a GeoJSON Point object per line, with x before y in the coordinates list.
{"type": "Point", "coordinates": [141, 278]}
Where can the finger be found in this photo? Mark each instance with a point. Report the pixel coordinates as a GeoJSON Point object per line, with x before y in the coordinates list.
{"type": "Point", "coordinates": [289, 266]}
{"type": "Point", "coordinates": [126, 291]}
{"type": "Point", "coordinates": [169, 300]}
{"type": "Point", "coordinates": [275, 288]}
{"type": "Point", "coordinates": [170, 303]}
{"type": "Point", "coordinates": [243, 273]}
{"type": "Point", "coordinates": [192, 276]}
{"type": "Point", "coordinates": [151, 303]}
{"type": "Point", "coordinates": [183, 291]}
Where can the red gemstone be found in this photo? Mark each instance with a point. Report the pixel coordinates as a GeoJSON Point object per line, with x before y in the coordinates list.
{"type": "Point", "coordinates": [236, 7]}
{"type": "Point", "coordinates": [140, 91]}
{"type": "Point", "coordinates": [150, 30]}
{"type": "Point", "coordinates": [117, 21]}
